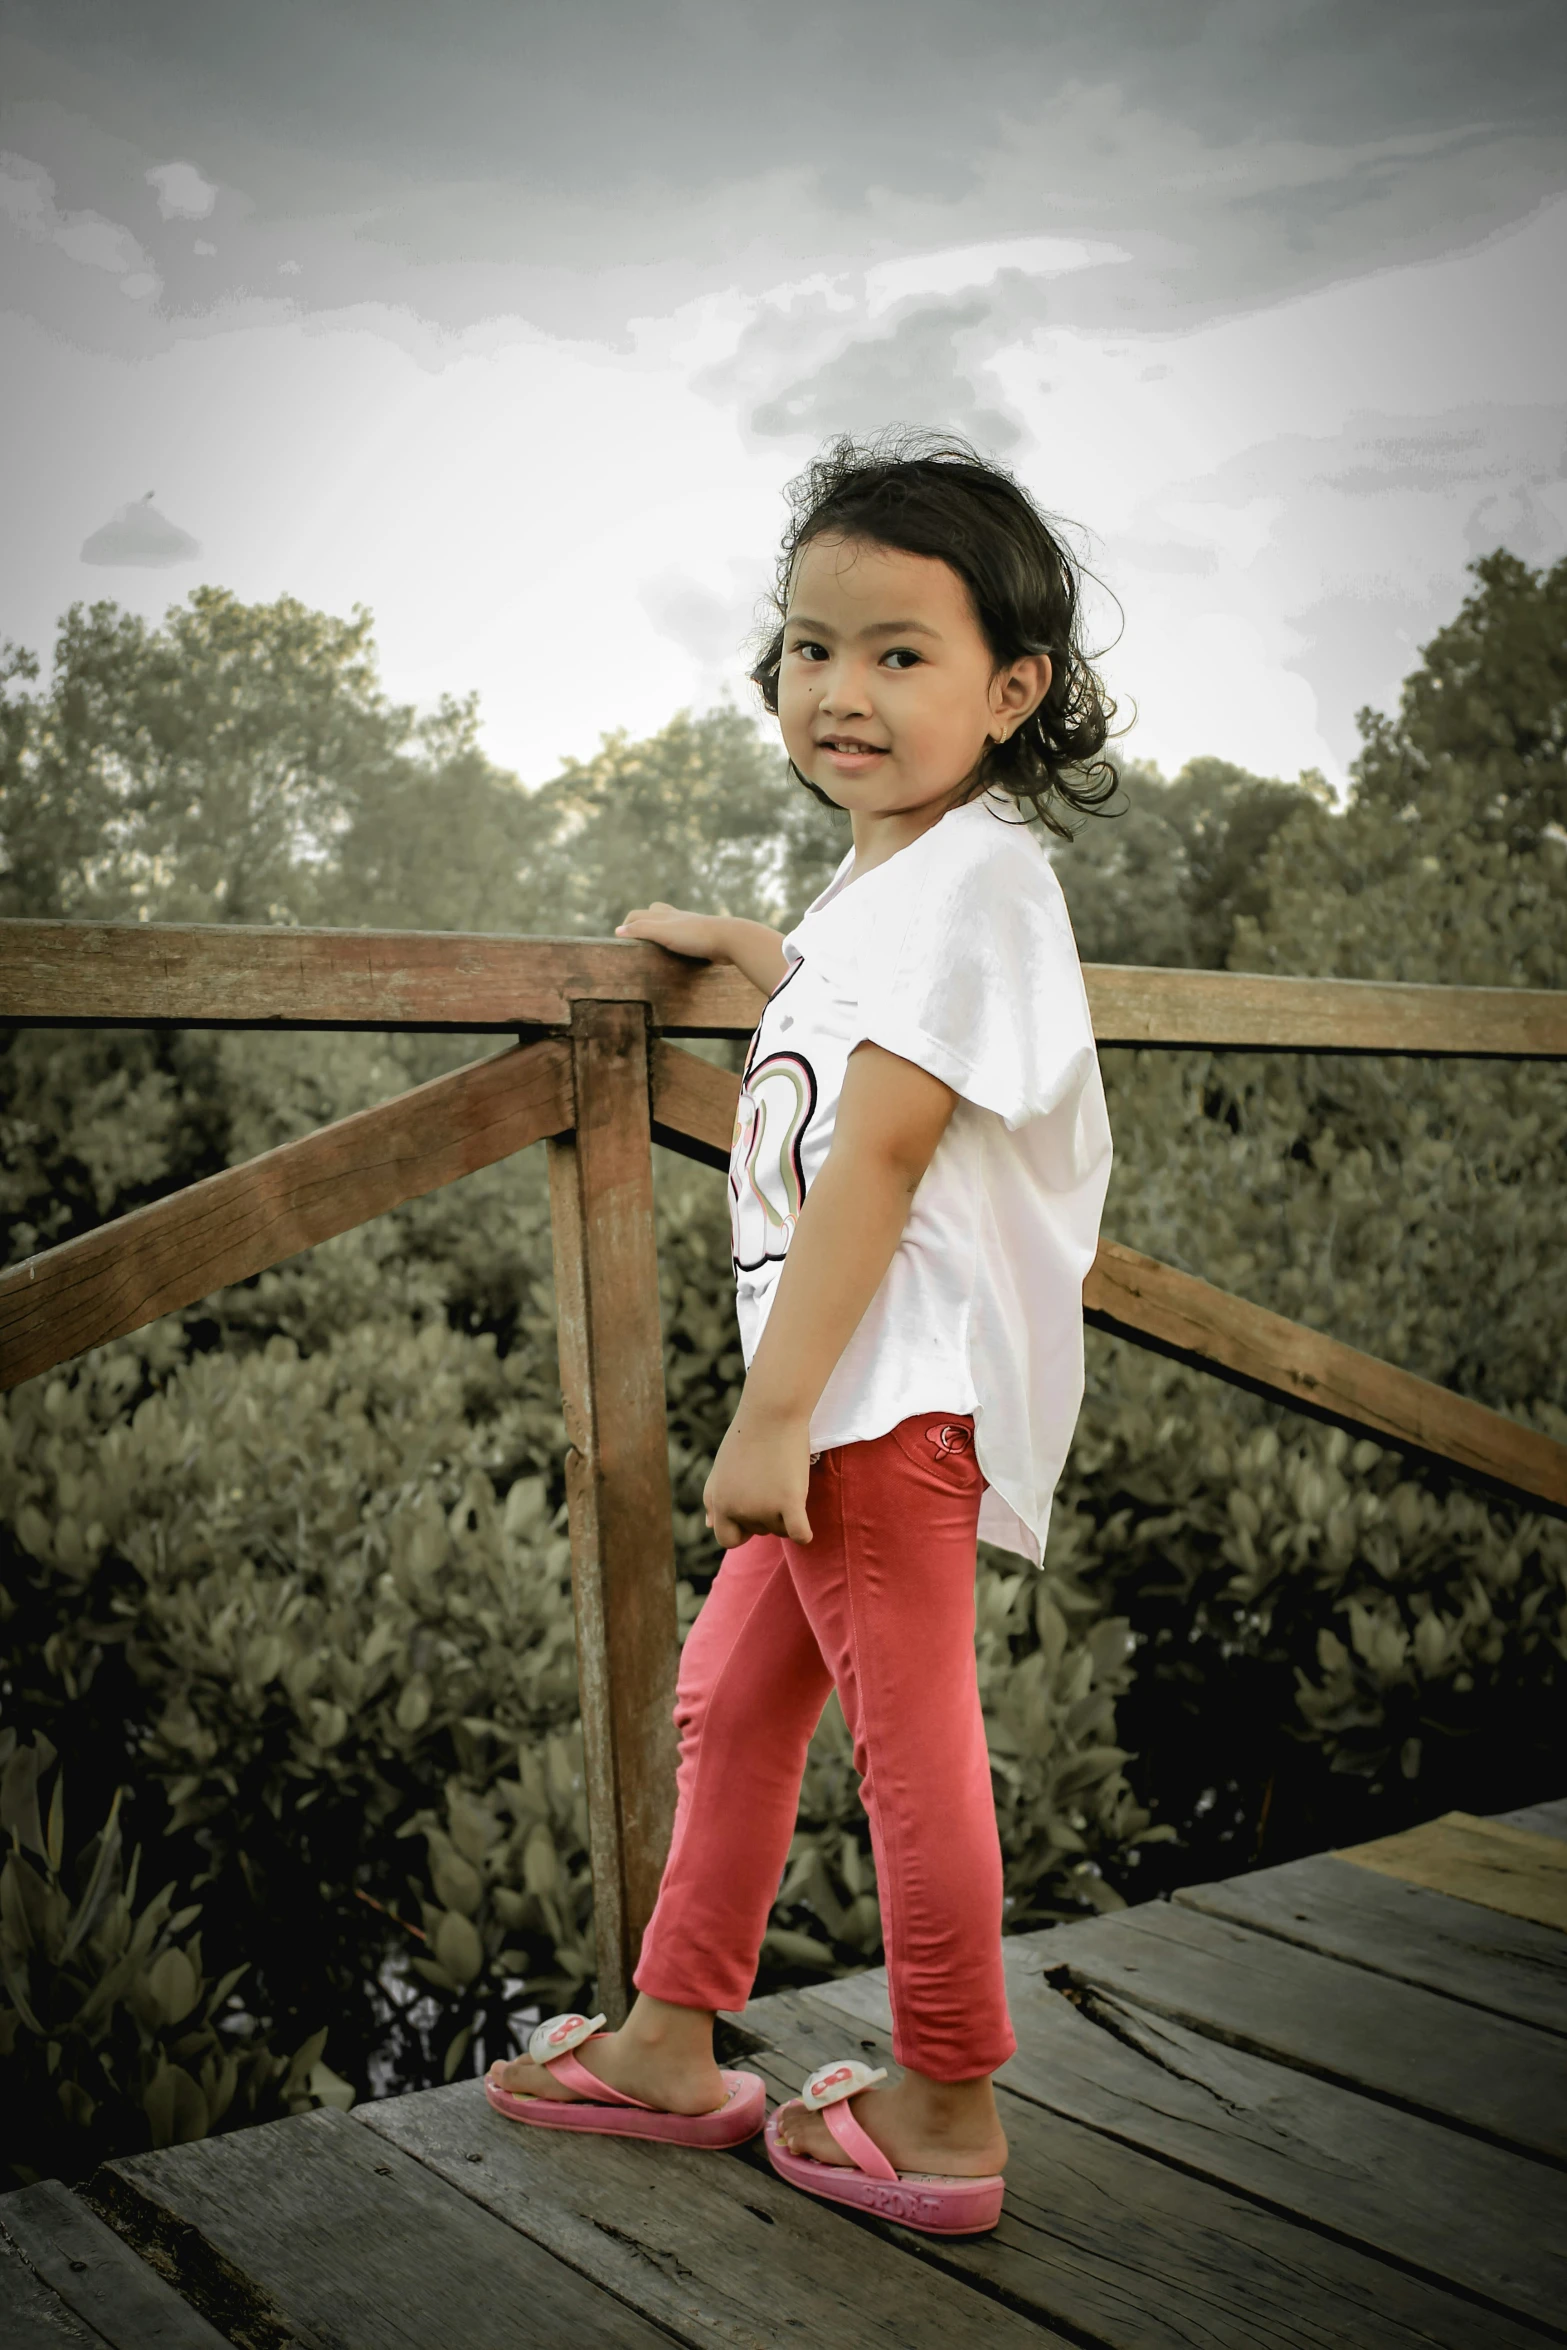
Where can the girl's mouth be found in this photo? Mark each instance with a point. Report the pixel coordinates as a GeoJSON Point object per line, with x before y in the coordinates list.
{"type": "Point", "coordinates": [849, 755]}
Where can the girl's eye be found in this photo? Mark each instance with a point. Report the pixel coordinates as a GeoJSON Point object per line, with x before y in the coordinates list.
{"type": "Point", "coordinates": [809, 650]}
{"type": "Point", "coordinates": [902, 656]}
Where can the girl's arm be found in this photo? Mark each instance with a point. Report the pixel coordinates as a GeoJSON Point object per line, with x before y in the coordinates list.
{"type": "Point", "coordinates": [716, 938]}
{"type": "Point", "coordinates": [891, 1115]}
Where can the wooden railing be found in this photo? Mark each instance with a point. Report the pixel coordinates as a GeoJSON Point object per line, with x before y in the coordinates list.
{"type": "Point", "coordinates": [595, 1077]}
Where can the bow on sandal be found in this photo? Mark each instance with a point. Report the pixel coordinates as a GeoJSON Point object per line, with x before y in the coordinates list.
{"type": "Point", "coordinates": [599, 2107]}
{"type": "Point", "coordinates": [940, 2206]}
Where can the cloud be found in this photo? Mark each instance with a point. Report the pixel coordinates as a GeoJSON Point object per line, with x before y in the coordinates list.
{"type": "Point", "coordinates": [815, 364]}
{"type": "Point", "coordinates": [915, 375]}
{"type": "Point", "coordinates": [587, 167]}
{"type": "Point", "coordinates": [904, 95]}
{"type": "Point", "coordinates": [715, 628]}
{"type": "Point", "coordinates": [182, 192]}
{"type": "Point", "coordinates": [27, 200]}
{"type": "Point", "coordinates": [139, 535]}
{"type": "Point", "coordinates": [956, 268]}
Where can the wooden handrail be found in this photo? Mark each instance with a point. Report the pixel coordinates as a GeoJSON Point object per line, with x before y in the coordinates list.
{"type": "Point", "coordinates": [1246, 1011]}
{"type": "Point", "coordinates": [160, 1258]}
{"type": "Point", "coordinates": [1176, 1314]}
{"type": "Point", "coordinates": [212, 975]}
{"type": "Point", "coordinates": [67, 974]}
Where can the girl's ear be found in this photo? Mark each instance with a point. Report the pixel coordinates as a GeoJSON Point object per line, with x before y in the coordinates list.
{"type": "Point", "coordinates": [1017, 692]}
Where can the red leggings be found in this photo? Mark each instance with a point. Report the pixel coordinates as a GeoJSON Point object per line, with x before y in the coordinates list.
{"type": "Point", "coordinates": [879, 1604]}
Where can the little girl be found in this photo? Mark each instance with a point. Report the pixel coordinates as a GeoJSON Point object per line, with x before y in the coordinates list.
{"type": "Point", "coordinates": [919, 1163]}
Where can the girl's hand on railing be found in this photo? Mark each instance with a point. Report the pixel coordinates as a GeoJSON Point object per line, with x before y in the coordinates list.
{"type": "Point", "coordinates": [683, 934]}
{"type": "Point", "coordinates": [753, 949]}
{"type": "Point", "coordinates": [759, 1480]}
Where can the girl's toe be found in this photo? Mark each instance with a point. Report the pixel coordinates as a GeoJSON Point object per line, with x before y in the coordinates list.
{"type": "Point", "coordinates": [504, 2073]}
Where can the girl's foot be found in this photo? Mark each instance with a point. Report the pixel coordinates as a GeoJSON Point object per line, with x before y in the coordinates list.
{"type": "Point", "coordinates": [662, 2055]}
{"type": "Point", "coordinates": [946, 2129]}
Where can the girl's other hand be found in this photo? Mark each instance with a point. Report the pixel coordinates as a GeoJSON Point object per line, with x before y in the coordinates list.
{"type": "Point", "coordinates": [755, 951]}
{"type": "Point", "coordinates": [759, 1481]}
{"type": "Point", "coordinates": [667, 926]}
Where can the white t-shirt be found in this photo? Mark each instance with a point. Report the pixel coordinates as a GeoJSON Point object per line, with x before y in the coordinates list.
{"type": "Point", "coordinates": [956, 954]}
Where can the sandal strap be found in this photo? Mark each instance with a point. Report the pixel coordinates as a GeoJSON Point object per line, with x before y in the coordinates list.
{"type": "Point", "coordinates": [572, 2075]}
{"type": "Point", "coordinates": [856, 2142]}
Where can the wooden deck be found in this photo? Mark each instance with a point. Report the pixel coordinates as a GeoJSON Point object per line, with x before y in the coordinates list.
{"type": "Point", "coordinates": [1322, 2105]}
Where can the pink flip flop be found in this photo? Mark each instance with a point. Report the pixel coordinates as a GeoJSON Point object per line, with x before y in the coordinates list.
{"type": "Point", "coordinates": [611, 2110]}
{"type": "Point", "coordinates": [939, 2206]}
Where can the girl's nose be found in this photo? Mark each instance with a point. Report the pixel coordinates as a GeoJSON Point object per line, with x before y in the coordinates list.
{"type": "Point", "coordinates": [845, 697]}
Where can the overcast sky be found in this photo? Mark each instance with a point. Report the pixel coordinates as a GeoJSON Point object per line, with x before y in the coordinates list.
{"type": "Point", "coordinates": [509, 318]}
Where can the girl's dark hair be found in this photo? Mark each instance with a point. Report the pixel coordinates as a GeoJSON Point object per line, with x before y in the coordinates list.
{"type": "Point", "coordinates": [931, 494]}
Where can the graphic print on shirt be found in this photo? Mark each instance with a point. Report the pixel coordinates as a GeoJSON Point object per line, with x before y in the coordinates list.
{"type": "Point", "coordinates": [778, 1093]}
{"type": "Point", "coordinates": [766, 1172]}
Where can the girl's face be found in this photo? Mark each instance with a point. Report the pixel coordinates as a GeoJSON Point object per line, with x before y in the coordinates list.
{"type": "Point", "coordinates": [888, 692]}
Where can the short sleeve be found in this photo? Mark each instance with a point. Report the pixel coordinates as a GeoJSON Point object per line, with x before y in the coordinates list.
{"type": "Point", "coordinates": [976, 978]}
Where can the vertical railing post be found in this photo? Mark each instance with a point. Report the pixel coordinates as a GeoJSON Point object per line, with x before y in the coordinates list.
{"type": "Point", "coordinates": [617, 1475]}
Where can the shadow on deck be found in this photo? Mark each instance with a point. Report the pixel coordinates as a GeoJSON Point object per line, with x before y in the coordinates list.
{"type": "Point", "coordinates": [1323, 2105]}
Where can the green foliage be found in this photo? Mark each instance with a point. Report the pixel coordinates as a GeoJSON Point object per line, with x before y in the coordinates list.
{"type": "Point", "coordinates": [1485, 711]}
{"type": "Point", "coordinates": [238, 763]}
{"type": "Point", "coordinates": [1326, 1647]}
{"type": "Point", "coordinates": [242, 763]}
{"type": "Point", "coordinates": [703, 815]}
{"type": "Point", "coordinates": [1169, 878]}
{"type": "Point", "coordinates": [110, 2029]}
{"type": "Point", "coordinates": [330, 1581]}
{"type": "Point", "coordinates": [508, 1910]}
{"type": "Point", "coordinates": [1054, 1668]}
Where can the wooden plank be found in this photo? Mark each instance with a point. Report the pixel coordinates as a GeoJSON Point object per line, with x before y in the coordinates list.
{"type": "Point", "coordinates": [1457, 2210]}
{"type": "Point", "coordinates": [693, 1105]}
{"type": "Point", "coordinates": [1261, 1012]}
{"type": "Point", "coordinates": [1175, 1314]}
{"type": "Point", "coordinates": [32, 2315]}
{"type": "Point", "coordinates": [96, 2273]}
{"type": "Point", "coordinates": [723, 2254]}
{"type": "Point", "coordinates": [1485, 1861]}
{"type": "Point", "coordinates": [1123, 2249]}
{"type": "Point", "coordinates": [618, 1496]}
{"type": "Point", "coordinates": [1539, 1819]}
{"type": "Point", "coordinates": [228, 976]}
{"type": "Point", "coordinates": [223, 975]}
{"type": "Point", "coordinates": [314, 2234]}
{"type": "Point", "coordinates": [1508, 1966]}
{"type": "Point", "coordinates": [1411, 2047]}
{"type": "Point", "coordinates": [236, 1224]}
